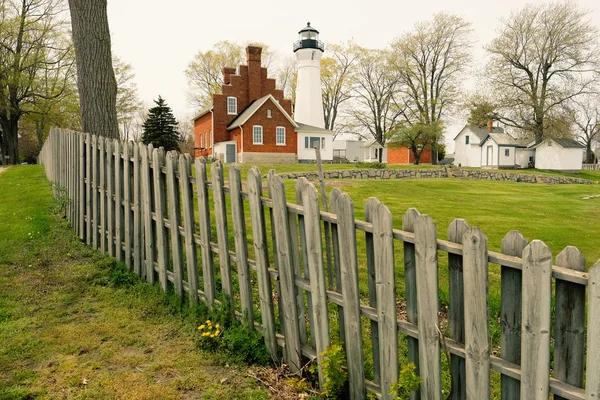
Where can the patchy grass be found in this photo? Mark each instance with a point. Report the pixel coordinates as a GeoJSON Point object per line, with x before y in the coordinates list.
{"type": "Point", "coordinates": [70, 329]}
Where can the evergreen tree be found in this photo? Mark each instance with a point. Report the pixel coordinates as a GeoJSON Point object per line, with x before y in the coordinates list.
{"type": "Point", "coordinates": [160, 128]}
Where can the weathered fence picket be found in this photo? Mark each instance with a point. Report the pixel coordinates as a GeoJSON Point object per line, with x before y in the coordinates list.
{"type": "Point", "coordinates": [173, 196]}
{"type": "Point", "coordinates": [513, 244]}
{"type": "Point", "coordinates": [132, 202]}
{"type": "Point", "coordinates": [535, 333]}
{"type": "Point", "coordinates": [456, 307]}
{"type": "Point", "coordinates": [189, 226]}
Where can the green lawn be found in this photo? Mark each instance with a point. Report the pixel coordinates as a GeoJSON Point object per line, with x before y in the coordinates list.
{"type": "Point", "coordinates": [66, 331]}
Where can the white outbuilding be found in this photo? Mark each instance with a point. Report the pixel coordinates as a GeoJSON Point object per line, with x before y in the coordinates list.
{"type": "Point", "coordinates": [559, 154]}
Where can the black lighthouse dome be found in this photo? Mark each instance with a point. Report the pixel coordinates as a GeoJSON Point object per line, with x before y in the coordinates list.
{"type": "Point", "coordinates": [308, 38]}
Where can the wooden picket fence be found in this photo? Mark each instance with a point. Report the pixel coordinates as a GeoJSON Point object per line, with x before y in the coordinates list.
{"type": "Point", "coordinates": [590, 167]}
{"type": "Point", "coordinates": [139, 205]}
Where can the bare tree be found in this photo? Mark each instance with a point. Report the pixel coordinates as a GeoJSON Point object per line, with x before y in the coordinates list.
{"type": "Point", "coordinates": [431, 61]}
{"type": "Point", "coordinates": [586, 117]}
{"type": "Point", "coordinates": [337, 75]}
{"type": "Point", "coordinates": [374, 108]}
{"type": "Point", "coordinates": [286, 75]}
{"type": "Point", "coordinates": [128, 102]}
{"type": "Point", "coordinates": [544, 56]}
{"type": "Point", "coordinates": [95, 75]}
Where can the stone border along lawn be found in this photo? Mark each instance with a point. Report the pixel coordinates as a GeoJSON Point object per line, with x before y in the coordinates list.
{"type": "Point", "coordinates": [439, 173]}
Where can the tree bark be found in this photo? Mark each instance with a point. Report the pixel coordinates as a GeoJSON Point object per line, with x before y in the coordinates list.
{"type": "Point", "coordinates": [95, 75]}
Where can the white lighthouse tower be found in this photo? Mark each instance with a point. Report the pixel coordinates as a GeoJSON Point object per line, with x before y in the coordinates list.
{"type": "Point", "coordinates": [309, 101]}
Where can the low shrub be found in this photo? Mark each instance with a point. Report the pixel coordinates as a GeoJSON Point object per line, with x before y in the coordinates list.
{"type": "Point", "coordinates": [371, 165]}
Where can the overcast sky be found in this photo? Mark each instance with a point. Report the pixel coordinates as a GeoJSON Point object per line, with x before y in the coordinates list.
{"type": "Point", "coordinates": [160, 37]}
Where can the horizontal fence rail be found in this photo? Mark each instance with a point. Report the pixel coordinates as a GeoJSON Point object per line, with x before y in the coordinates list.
{"type": "Point", "coordinates": [204, 237]}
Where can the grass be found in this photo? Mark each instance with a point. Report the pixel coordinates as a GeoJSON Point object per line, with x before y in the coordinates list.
{"type": "Point", "coordinates": [69, 330]}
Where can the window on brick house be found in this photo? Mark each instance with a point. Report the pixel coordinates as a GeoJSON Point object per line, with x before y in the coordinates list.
{"type": "Point", "coordinates": [268, 113]}
{"type": "Point", "coordinates": [201, 142]}
{"type": "Point", "coordinates": [280, 135]}
{"type": "Point", "coordinates": [257, 134]}
{"type": "Point", "coordinates": [231, 105]}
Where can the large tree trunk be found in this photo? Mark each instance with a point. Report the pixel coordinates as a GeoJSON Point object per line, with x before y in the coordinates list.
{"type": "Point", "coordinates": [95, 76]}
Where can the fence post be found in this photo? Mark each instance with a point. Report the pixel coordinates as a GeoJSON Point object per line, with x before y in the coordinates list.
{"type": "Point", "coordinates": [110, 203]}
{"type": "Point", "coordinates": [370, 212]}
{"type": "Point", "coordinates": [95, 193]}
{"type": "Point", "coordinates": [333, 197]}
{"type": "Point", "coordinates": [138, 229]}
{"type": "Point", "coordinates": [146, 195]}
{"type": "Point", "coordinates": [456, 307]}
{"type": "Point", "coordinates": [222, 228]}
{"type": "Point", "coordinates": [410, 284]}
{"type": "Point", "coordinates": [160, 206]}
{"type": "Point", "coordinates": [477, 330]}
{"type": "Point", "coordinates": [592, 384]}
{"type": "Point", "coordinates": [189, 225]}
{"type": "Point", "coordinates": [428, 307]}
{"type": "Point", "coordinates": [513, 244]}
{"type": "Point", "coordinates": [261, 256]}
{"type": "Point", "coordinates": [118, 174]}
{"type": "Point", "coordinates": [241, 243]}
{"type": "Point", "coordinates": [300, 183]}
{"type": "Point", "coordinates": [103, 218]}
{"type": "Point", "coordinates": [208, 272]}
{"type": "Point", "coordinates": [175, 220]}
{"type": "Point", "coordinates": [127, 212]}
{"type": "Point", "coordinates": [312, 224]}
{"type": "Point", "coordinates": [89, 155]}
{"type": "Point", "coordinates": [351, 297]}
{"type": "Point", "coordinates": [81, 190]}
{"type": "Point", "coordinates": [287, 300]}
{"type": "Point", "coordinates": [383, 244]}
{"type": "Point", "coordinates": [569, 331]}
{"type": "Point", "coordinates": [535, 333]}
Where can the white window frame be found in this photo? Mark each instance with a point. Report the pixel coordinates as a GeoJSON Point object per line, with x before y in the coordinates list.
{"type": "Point", "coordinates": [277, 142]}
{"type": "Point", "coordinates": [254, 132]}
{"type": "Point", "coordinates": [269, 113]}
{"type": "Point", "coordinates": [322, 143]}
{"type": "Point", "coordinates": [232, 108]}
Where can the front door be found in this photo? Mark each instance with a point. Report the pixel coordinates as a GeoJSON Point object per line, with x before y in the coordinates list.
{"type": "Point", "coordinates": [230, 153]}
{"type": "Point", "coordinates": [489, 155]}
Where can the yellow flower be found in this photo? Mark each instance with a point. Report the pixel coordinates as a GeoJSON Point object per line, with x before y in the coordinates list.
{"type": "Point", "coordinates": [217, 326]}
{"type": "Point", "coordinates": [208, 321]}
{"type": "Point", "coordinates": [217, 332]}
{"type": "Point", "coordinates": [201, 327]}
{"type": "Point", "coordinates": [212, 335]}
{"type": "Point", "coordinates": [206, 334]}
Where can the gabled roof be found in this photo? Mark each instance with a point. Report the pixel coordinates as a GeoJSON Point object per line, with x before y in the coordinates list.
{"type": "Point", "coordinates": [502, 139]}
{"type": "Point", "coordinates": [203, 111]}
{"type": "Point", "coordinates": [371, 143]}
{"type": "Point", "coordinates": [309, 128]}
{"type": "Point", "coordinates": [480, 132]}
{"type": "Point", "coordinates": [253, 107]}
{"type": "Point", "coordinates": [565, 143]}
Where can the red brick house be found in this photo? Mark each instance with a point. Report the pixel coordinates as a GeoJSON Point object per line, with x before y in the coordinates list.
{"type": "Point", "coordinates": [250, 121]}
{"type": "Point", "coordinates": [404, 155]}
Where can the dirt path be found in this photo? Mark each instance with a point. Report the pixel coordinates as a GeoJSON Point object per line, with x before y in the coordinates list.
{"type": "Point", "coordinates": [2, 169]}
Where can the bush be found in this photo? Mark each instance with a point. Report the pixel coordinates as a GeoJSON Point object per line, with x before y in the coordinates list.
{"type": "Point", "coordinates": [371, 165]}
{"type": "Point", "coordinates": [334, 372]}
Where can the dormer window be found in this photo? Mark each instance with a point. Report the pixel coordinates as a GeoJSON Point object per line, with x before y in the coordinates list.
{"type": "Point", "coordinates": [231, 105]}
{"type": "Point", "coordinates": [269, 114]}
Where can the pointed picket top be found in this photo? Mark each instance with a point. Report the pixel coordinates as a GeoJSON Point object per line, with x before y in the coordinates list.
{"type": "Point", "coordinates": [592, 385]}
{"type": "Point", "coordinates": [571, 258]}
{"type": "Point", "coordinates": [270, 177]}
{"type": "Point", "coordinates": [409, 219]}
{"type": "Point", "coordinates": [333, 197]}
{"type": "Point", "coordinates": [457, 229]}
{"type": "Point", "coordinates": [252, 174]}
{"type": "Point", "coordinates": [513, 243]}
{"type": "Point", "coordinates": [370, 208]}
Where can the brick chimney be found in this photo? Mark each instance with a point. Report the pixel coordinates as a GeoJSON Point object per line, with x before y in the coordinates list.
{"type": "Point", "coordinates": [490, 125]}
{"type": "Point", "coordinates": [227, 72]}
{"type": "Point", "coordinates": [254, 72]}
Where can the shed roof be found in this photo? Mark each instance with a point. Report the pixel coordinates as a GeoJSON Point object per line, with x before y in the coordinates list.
{"type": "Point", "coordinates": [564, 143]}
{"type": "Point", "coordinates": [310, 128]}
{"type": "Point", "coordinates": [480, 132]}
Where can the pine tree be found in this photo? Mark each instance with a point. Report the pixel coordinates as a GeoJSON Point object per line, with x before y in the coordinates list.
{"type": "Point", "coordinates": [160, 128]}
